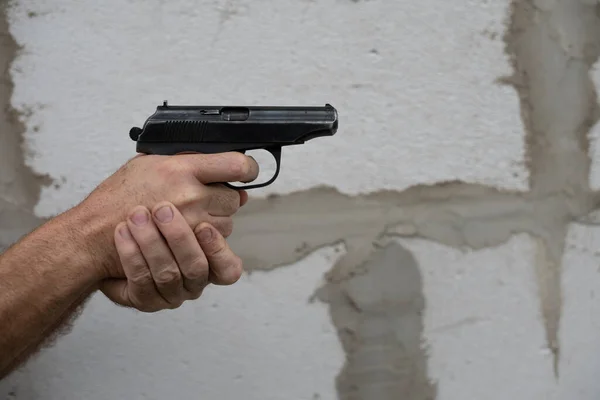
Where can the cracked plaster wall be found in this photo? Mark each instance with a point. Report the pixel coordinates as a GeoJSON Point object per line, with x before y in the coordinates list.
{"type": "Point", "coordinates": [454, 254]}
{"type": "Point", "coordinates": [19, 186]}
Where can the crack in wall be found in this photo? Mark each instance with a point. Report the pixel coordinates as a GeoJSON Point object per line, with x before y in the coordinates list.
{"type": "Point", "coordinates": [281, 230]}
{"type": "Point", "coordinates": [552, 46]}
{"type": "Point", "coordinates": [20, 187]}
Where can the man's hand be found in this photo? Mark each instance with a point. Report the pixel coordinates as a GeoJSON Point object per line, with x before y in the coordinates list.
{"type": "Point", "coordinates": [187, 181]}
{"type": "Point", "coordinates": [166, 262]}
{"type": "Point", "coordinates": [48, 274]}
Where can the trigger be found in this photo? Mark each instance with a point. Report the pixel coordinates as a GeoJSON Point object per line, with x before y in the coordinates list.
{"type": "Point", "coordinates": [276, 153]}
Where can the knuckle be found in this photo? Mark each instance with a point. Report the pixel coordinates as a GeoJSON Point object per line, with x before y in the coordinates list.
{"type": "Point", "coordinates": [169, 168]}
{"type": "Point", "coordinates": [141, 278]}
{"type": "Point", "coordinates": [197, 269]}
{"type": "Point", "coordinates": [197, 229]}
{"type": "Point", "coordinates": [164, 168]}
{"type": "Point", "coordinates": [146, 240]}
{"type": "Point", "coordinates": [177, 237]}
{"type": "Point", "coordinates": [196, 294]}
{"type": "Point", "coordinates": [188, 195]}
{"type": "Point", "coordinates": [239, 165]}
{"type": "Point", "coordinates": [216, 248]}
{"type": "Point", "coordinates": [167, 276]}
{"type": "Point", "coordinates": [226, 227]}
{"type": "Point", "coordinates": [230, 207]}
{"type": "Point", "coordinates": [157, 254]}
{"type": "Point", "coordinates": [131, 257]}
{"type": "Point", "coordinates": [226, 200]}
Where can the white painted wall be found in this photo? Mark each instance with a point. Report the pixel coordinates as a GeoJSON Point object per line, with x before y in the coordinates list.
{"type": "Point", "coordinates": [428, 105]}
{"type": "Point", "coordinates": [260, 340]}
{"type": "Point", "coordinates": [415, 86]}
{"type": "Point", "coordinates": [595, 141]}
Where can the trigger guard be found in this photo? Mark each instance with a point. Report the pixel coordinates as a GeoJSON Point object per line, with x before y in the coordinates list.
{"type": "Point", "coordinates": [276, 153]}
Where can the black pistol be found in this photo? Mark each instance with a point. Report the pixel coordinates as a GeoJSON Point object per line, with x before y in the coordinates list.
{"type": "Point", "coordinates": [217, 129]}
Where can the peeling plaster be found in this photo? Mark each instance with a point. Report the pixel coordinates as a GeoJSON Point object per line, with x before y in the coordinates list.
{"type": "Point", "coordinates": [552, 51]}
{"type": "Point", "coordinates": [412, 106]}
{"type": "Point", "coordinates": [553, 46]}
{"type": "Point", "coordinates": [454, 214]}
{"type": "Point", "coordinates": [482, 322]}
{"type": "Point", "coordinates": [379, 319]}
{"type": "Point", "coordinates": [19, 186]}
{"type": "Point", "coordinates": [581, 321]}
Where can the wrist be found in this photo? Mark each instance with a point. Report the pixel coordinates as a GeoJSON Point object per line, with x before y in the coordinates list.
{"type": "Point", "coordinates": [91, 232]}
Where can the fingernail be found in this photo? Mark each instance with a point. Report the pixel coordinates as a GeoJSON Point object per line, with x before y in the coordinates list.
{"type": "Point", "coordinates": [124, 232]}
{"type": "Point", "coordinates": [164, 214]}
{"type": "Point", "coordinates": [140, 217]}
{"type": "Point", "coordinates": [205, 234]}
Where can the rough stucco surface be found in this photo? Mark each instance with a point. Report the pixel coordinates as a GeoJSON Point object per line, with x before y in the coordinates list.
{"type": "Point", "coordinates": [482, 315]}
{"type": "Point", "coordinates": [404, 86]}
{"type": "Point", "coordinates": [265, 339]}
{"type": "Point", "coordinates": [19, 186]}
{"type": "Point", "coordinates": [378, 317]}
{"type": "Point", "coordinates": [581, 321]}
{"type": "Point", "coordinates": [595, 140]}
{"type": "Point", "coordinates": [445, 290]}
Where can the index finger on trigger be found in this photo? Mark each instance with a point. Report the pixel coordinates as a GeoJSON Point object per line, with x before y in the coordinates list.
{"type": "Point", "coordinates": [222, 167]}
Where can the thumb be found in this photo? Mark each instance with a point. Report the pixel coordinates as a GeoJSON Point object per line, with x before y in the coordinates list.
{"type": "Point", "coordinates": [116, 291]}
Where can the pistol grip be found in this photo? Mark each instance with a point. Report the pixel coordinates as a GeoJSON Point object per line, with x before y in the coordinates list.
{"type": "Point", "coordinates": [276, 153]}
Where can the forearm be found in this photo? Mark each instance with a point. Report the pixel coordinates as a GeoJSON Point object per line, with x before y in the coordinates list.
{"type": "Point", "coordinates": [43, 280]}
